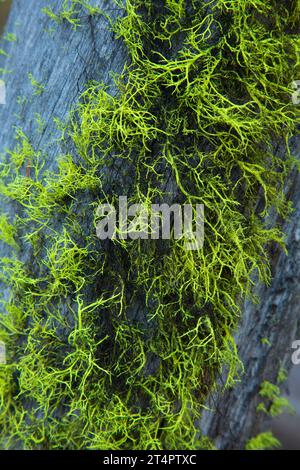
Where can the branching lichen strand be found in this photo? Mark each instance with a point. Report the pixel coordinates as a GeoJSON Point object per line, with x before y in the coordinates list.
{"type": "Point", "coordinates": [117, 344]}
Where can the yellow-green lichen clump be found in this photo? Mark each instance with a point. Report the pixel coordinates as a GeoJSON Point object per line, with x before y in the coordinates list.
{"type": "Point", "coordinates": [116, 344]}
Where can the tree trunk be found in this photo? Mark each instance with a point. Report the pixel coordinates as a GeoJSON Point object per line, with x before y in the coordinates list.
{"type": "Point", "coordinates": [64, 60]}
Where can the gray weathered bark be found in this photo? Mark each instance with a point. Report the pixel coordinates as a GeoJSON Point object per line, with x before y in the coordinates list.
{"type": "Point", "coordinates": [64, 61]}
{"type": "Point", "coordinates": [276, 318]}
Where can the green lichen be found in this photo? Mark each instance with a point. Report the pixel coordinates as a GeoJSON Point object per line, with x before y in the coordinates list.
{"type": "Point", "coordinates": [117, 344]}
{"type": "Point", "coordinates": [266, 342]}
{"type": "Point", "coordinates": [4, 71]}
{"type": "Point", "coordinates": [70, 12]}
{"type": "Point", "coordinates": [7, 232]}
{"type": "Point", "coordinates": [3, 52]}
{"type": "Point", "coordinates": [10, 37]}
{"type": "Point", "coordinates": [282, 375]}
{"type": "Point", "coordinates": [263, 441]}
{"type": "Point", "coordinates": [40, 122]}
{"type": "Point", "coordinates": [276, 403]}
{"type": "Point", "coordinates": [37, 86]}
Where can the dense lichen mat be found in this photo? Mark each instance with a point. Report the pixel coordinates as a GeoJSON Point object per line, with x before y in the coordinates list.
{"type": "Point", "coordinates": [116, 344]}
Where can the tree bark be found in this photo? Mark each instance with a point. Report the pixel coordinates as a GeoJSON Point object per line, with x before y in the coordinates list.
{"type": "Point", "coordinates": [64, 61]}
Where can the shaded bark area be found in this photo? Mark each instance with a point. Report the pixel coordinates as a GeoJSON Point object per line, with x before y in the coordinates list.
{"type": "Point", "coordinates": [64, 61]}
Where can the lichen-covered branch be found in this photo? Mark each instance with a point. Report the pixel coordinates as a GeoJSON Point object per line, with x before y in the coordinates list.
{"type": "Point", "coordinates": [120, 343]}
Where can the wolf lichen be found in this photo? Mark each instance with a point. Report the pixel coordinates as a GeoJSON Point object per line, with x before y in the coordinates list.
{"type": "Point", "coordinates": [7, 232]}
{"type": "Point", "coordinates": [10, 37]}
{"type": "Point", "coordinates": [70, 12]}
{"type": "Point", "coordinates": [117, 344]}
{"type": "Point", "coordinates": [263, 441]}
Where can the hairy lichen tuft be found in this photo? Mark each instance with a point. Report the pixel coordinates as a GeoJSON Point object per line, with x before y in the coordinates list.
{"type": "Point", "coordinates": [117, 344]}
